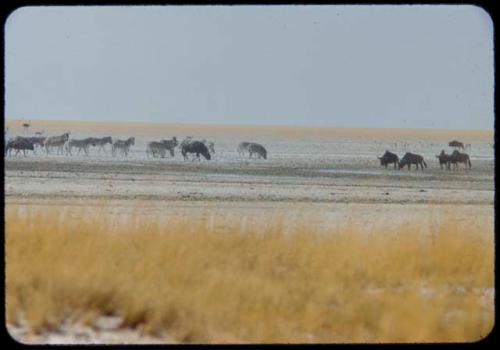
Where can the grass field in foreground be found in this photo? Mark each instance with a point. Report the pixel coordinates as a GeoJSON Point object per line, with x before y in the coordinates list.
{"type": "Point", "coordinates": [225, 282]}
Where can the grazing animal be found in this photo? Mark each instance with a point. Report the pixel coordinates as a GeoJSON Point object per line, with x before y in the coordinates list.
{"type": "Point", "coordinates": [156, 148]}
{"type": "Point", "coordinates": [197, 148]}
{"type": "Point", "coordinates": [19, 144]}
{"type": "Point", "coordinates": [389, 158]}
{"type": "Point", "coordinates": [35, 140]}
{"type": "Point", "coordinates": [410, 158]}
{"type": "Point", "coordinates": [40, 133]}
{"type": "Point", "coordinates": [160, 148]}
{"type": "Point", "coordinates": [243, 148]}
{"type": "Point", "coordinates": [80, 144]}
{"type": "Point", "coordinates": [444, 160]}
{"type": "Point", "coordinates": [123, 146]}
{"type": "Point", "coordinates": [456, 144]}
{"type": "Point", "coordinates": [457, 157]}
{"type": "Point", "coordinates": [257, 149]}
{"type": "Point", "coordinates": [101, 142]}
{"type": "Point", "coordinates": [56, 141]}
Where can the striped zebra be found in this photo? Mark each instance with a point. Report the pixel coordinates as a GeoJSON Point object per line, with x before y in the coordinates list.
{"type": "Point", "coordinates": [56, 141]}
{"type": "Point", "coordinates": [101, 142]}
{"type": "Point", "coordinates": [80, 144]}
{"type": "Point", "coordinates": [160, 148]}
{"type": "Point", "coordinates": [186, 141]}
{"type": "Point", "coordinates": [123, 146]}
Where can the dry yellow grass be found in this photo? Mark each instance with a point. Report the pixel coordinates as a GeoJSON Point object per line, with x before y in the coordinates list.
{"type": "Point", "coordinates": [255, 284]}
{"type": "Point", "coordinates": [249, 131]}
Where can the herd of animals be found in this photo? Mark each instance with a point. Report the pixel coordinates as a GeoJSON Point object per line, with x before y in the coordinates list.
{"type": "Point", "coordinates": [158, 149]}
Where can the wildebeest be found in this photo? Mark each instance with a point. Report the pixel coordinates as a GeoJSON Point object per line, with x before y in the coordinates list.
{"type": "Point", "coordinates": [257, 149]}
{"type": "Point", "coordinates": [19, 144]}
{"type": "Point", "coordinates": [243, 148]}
{"type": "Point", "coordinates": [101, 142]}
{"type": "Point", "coordinates": [35, 140]}
{"type": "Point", "coordinates": [389, 158]}
{"type": "Point", "coordinates": [444, 159]}
{"type": "Point", "coordinates": [457, 157]}
{"type": "Point", "coordinates": [56, 141]}
{"type": "Point", "coordinates": [410, 158]}
{"type": "Point", "coordinates": [456, 144]}
{"type": "Point", "coordinates": [80, 144]}
{"type": "Point", "coordinates": [123, 146]}
{"type": "Point", "coordinates": [197, 148]}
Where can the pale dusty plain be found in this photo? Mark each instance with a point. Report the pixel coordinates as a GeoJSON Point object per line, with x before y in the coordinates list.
{"type": "Point", "coordinates": [328, 174]}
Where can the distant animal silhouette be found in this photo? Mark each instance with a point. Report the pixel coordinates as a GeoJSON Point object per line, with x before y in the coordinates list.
{"type": "Point", "coordinates": [197, 148]}
{"type": "Point", "coordinates": [444, 159]}
{"type": "Point", "coordinates": [389, 158]}
{"type": "Point", "coordinates": [19, 144]}
{"type": "Point", "coordinates": [123, 146]}
{"type": "Point", "coordinates": [457, 157]}
{"type": "Point", "coordinates": [456, 144]}
{"type": "Point", "coordinates": [56, 141]}
{"type": "Point", "coordinates": [410, 158]}
{"type": "Point", "coordinates": [255, 148]}
{"type": "Point", "coordinates": [80, 144]}
{"type": "Point", "coordinates": [101, 142]}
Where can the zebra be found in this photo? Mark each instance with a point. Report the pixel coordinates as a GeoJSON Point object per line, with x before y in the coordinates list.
{"type": "Point", "coordinates": [56, 141]}
{"type": "Point", "coordinates": [123, 145]}
{"type": "Point", "coordinates": [243, 148]}
{"type": "Point", "coordinates": [101, 142]}
{"type": "Point", "coordinates": [186, 141]}
{"type": "Point", "coordinates": [257, 149]}
{"type": "Point", "coordinates": [159, 148]}
{"type": "Point", "coordinates": [80, 144]}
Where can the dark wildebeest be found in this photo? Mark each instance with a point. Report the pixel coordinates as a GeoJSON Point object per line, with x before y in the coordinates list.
{"type": "Point", "coordinates": [444, 159]}
{"type": "Point", "coordinates": [389, 158]}
{"type": "Point", "coordinates": [19, 144]}
{"type": "Point", "coordinates": [257, 149]}
{"type": "Point", "coordinates": [197, 148]}
{"type": "Point", "coordinates": [410, 158]}
{"type": "Point", "coordinates": [35, 140]}
{"type": "Point", "coordinates": [457, 157]}
{"type": "Point", "coordinates": [456, 144]}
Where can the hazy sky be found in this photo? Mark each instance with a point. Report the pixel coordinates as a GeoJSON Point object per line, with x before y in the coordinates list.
{"type": "Point", "coordinates": [351, 66]}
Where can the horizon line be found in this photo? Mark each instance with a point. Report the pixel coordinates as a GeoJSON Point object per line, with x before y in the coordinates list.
{"type": "Point", "coordinates": [244, 125]}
